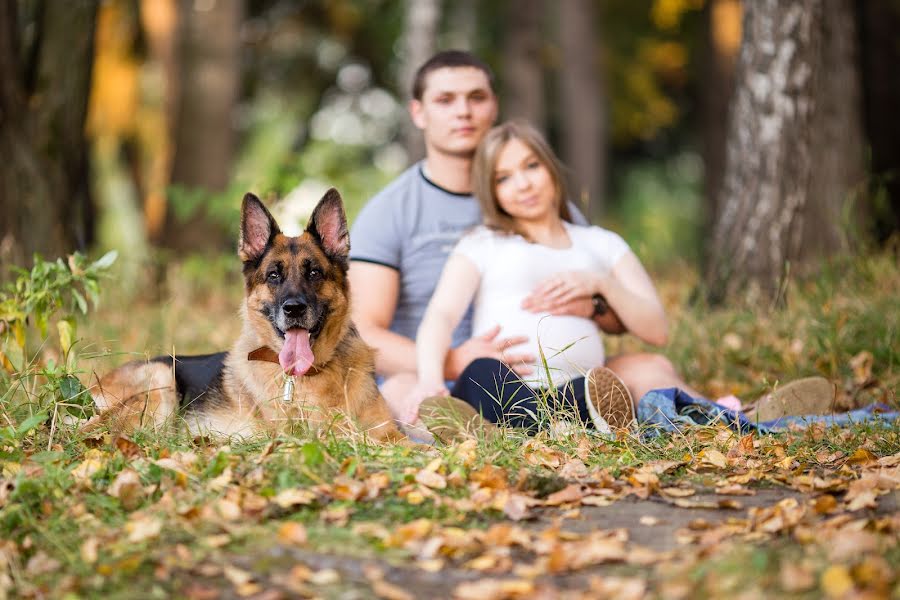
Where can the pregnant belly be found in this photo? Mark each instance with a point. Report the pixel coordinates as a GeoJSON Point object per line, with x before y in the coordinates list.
{"type": "Point", "coordinates": [570, 345]}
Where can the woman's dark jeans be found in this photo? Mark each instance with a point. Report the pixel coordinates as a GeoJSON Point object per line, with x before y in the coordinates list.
{"type": "Point", "coordinates": [495, 391]}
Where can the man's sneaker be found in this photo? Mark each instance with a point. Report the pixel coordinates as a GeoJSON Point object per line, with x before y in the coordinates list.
{"type": "Point", "coordinates": [451, 420]}
{"type": "Point", "coordinates": [608, 400]}
{"type": "Point", "coordinates": [807, 396]}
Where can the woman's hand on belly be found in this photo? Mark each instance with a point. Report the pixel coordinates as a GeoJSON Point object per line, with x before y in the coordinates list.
{"type": "Point", "coordinates": [490, 345]}
{"type": "Point", "coordinates": [558, 291]}
{"type": "Point", "coordinates": [579, 307]}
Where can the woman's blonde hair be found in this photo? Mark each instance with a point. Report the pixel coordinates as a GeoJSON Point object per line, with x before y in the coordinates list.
{"type": "Point", "coordinates": [485, 162]}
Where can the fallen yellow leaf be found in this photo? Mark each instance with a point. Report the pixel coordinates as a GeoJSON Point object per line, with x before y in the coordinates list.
{"type": "Point", "coordinates": [570, 493]}
{"type": "Point", "coordinates": [375, 483]}
{"type": "Point", "coordinates": [621, 588]}
{"type": "Point", "coordinates": [85, 470]}
{"type": "Point", "coordinates": [573, 469]}
{"type": "Point", "coordinates": [735, 490]}
{"type": "Point", "coordinates": [490, 476]}
{"type": "Point", "coordinates": [431, 479]}
{"type": "Point", "coordinates": [836, 581]}
{"type": "Point", "coordinates": [294, 497]}
{"type": "Point", "coordinates": [127, 488]}
{"type": "Point", "coordinates": [516, 507]}
{"type": "Point", "coordinates": [866, 499]}
{"type": "Point", "coordinates": [292, 533]}
{"type": "Point", "coordinates": [714, 457]}
{"type": "Point", "coordinates": [825, 504]}
{"type": "Point", "coordinates": [228, 509]}
{"type": "Point", "coordinates": [89, 550]}
{"type": "Point", "coordinates": [795, 578]}
{"type": "Point", "coordinates": [861, 457]}
{"type": "Point", "coordinates": [415, 497]}
{"type": "Point", "coordinates": [414, 530]}
{"type": "Point", "coordinates": [325, 577]}
{"type": "Point", "coordinates": [493, 589]}
{"type": "Point", "coordinates": [388, 591]}
{"type": "Point", "coordinates": [143, 528]}
{"type": "Point", "coordinates": [347, 488]}
{"type": "Point", "coordinates": [236, 576]}
{"type": "Point", "coordinates": [677, 492]}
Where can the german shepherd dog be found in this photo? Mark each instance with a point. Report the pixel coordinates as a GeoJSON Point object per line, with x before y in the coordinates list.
{"type": "Point", "coordinates": [298, 355]}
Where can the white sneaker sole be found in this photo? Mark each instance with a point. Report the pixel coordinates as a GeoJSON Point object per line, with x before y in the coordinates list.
{"type": "Point", "coordinates": [614, 395]}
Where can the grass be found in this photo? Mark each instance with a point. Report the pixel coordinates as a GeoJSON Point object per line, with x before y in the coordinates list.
{"type": "Point", "coordinates": [54, 510]}
{"type": "Point", "coordinates": [162, 511]}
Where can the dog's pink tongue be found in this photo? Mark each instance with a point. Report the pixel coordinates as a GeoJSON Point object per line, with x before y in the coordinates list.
{"type": "Point", "coordinates": [296, 356]}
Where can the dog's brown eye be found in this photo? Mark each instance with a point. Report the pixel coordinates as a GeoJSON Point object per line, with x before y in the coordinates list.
{"type": "Point", "coordinates": [314, 274]}
{"type": "Point", "coordinates": [274, 277]}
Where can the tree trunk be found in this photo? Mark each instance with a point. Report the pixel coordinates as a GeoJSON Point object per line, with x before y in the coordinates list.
{"type": "Point", "coordinates": [723, 39]}
{"type": "Point", "coordinates": [788, 168]}
{"type": "Point", "coordinates": [45, 205]}
{"type": "Point", "coordinates": [835, 212]}
{"type": "Point", "coordinates": [880, 22]}
{"type": "Point", "coordinates": [583, 102]}
{"type": "Point", "coordinates": [419, 43]}
{"type": "Point", "coordinates": [462, 24]}
{"type": "Point", "coordinates": [159, 19]}
{"type": "Point", "coordinates": [523, 75]}
{"type": "Point", "coordinates": [209, 78]}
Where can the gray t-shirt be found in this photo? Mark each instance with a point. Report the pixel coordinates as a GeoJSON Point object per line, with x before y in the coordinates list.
{"type": "Point", "coordinates": [412, 225]}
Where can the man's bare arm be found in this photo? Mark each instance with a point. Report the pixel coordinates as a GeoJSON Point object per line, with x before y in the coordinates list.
{"type": "Point", "coordinates": [374, 290]}
{"type": "Point", "coordinates": [608, 322]}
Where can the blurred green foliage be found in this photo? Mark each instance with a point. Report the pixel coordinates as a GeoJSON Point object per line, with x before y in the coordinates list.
{"type": "Point", "coordinates": [658, 209]}
{"type": "Point", "coordinates": [37, 295]}
{"type": "Point", "coordinates": [652, 74]}
{"type": "Point", "coordinates": [294, 54]}
{"type": "Point", "coordinates": [32, 389]}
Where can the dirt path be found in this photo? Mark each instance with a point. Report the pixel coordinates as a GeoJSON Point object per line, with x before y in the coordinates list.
{"type": "Point", "coordinates": [653, 524]}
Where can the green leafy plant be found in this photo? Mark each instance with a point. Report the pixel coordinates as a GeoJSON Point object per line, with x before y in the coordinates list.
{"type": "Point", "coordinates": [51, 294]}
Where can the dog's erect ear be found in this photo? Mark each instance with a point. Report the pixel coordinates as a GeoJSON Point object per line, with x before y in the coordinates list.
{"type": "Point", "coordinates": [257, 229]}
{"type": "Point", "coordinates": [328, 224]}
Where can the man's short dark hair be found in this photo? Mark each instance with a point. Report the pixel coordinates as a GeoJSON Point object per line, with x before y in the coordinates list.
{"type": "Point", "coordinates": [448, 59]}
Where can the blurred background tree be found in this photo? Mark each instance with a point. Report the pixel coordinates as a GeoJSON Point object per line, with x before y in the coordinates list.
{"type": "Point", "coordinates": [46, 57]}
{"type": "Point", "coordinates": [794, 158]}
{"type": "Point", "coordinates": [194, 102]}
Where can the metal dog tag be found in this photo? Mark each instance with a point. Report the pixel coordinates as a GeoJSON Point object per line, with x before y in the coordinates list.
{"type": "Point", "coordinates": [287, 392]}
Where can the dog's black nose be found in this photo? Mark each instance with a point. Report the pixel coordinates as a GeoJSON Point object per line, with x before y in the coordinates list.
{"type": "Point", "coordinates": [293, 308]}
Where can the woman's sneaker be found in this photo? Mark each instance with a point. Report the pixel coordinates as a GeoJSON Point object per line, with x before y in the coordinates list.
{"type": "Point", "coordinates": [608, 400]}
{"type": "Point", "coordinates": [451, 420]}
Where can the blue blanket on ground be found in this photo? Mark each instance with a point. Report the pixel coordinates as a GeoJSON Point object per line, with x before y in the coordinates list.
{"type": "Point", "coordinates": [672, 409]}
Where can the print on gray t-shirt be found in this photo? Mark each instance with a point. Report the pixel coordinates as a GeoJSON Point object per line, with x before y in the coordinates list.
{"type": "Point", "coordinates": [412, 225]}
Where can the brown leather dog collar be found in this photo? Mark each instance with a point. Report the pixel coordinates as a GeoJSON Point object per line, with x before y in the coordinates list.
{"type": "Point", "coordinates": [266, 354]}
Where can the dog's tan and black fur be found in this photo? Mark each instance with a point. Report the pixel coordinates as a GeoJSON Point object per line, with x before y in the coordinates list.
{"type": "Point", "coordinates": [292, 284]}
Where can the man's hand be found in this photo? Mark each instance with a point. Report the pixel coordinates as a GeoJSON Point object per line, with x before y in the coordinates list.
{"type": "Point", "coordinates": [610, 323]}
{"type": "Point", "coordinates": [488, 345]}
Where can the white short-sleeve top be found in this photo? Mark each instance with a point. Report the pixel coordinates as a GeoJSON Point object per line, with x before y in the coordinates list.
{"type": "Point", "coordinates": [511, 267]}
{"type": "Point", "coordinates": [411, 226]}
